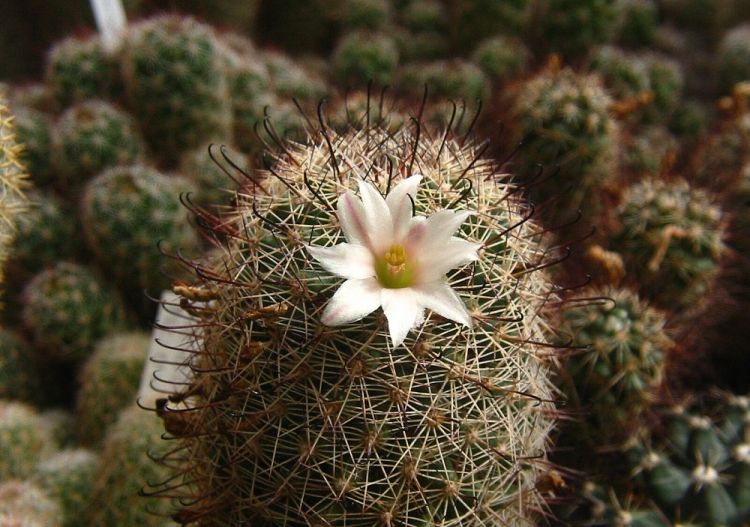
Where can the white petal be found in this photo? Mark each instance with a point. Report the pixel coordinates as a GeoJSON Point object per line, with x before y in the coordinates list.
{"type": "Point", "coordinates": [345, 259]}
{"type": "Point", "coordinates": [351, 215]}
{"type": "Point", "coordinates": [400, 204]}
{"type": "Point", "coordinates": [402, 311]}
{"type": "Point", "coordinates": [377, 218]}
{"type": "Point", "coordinates": [442, 225]}
{"type": "Point", "coordinates": [443, 300]}
{"type": "Point", "coordinates": [434, 263]}
{"type": "Point", "coordinates": [354, 300]}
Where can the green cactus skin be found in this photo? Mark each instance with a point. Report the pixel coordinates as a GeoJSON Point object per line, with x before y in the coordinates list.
{"type": "Point", "coordinates": [26, 505]}
{"type": "Point", "coordinates": [475, 20]}
{"type": "Point", "coordinates": [125, 466]}
{"type": "Point", "coordinates": [352, 111]}
{"type": "Point", "coordinates": [419, 47]}
{"type": "Point", "coordinates": [501, 58]}
{"type": "Point", "coordinates": [625, 75]}
{"type": "Point", "coordinates": [734, 58]}
{"type": "Point", "coordinates": [296, 423]}
{"type": "Point", "coordinates": [290, 79]}
{"type": "Point", "coordinates": [109, 383]}
{"type": "Point", "coordinates": [34, 131]}
{"type": "Point", "coordinates": [34, 95]}
{"type": "Point", "coordinates": [361, 57]}
{"type": "Point", "coordinates": [671, 238]}
{"type": "Point", "coordinates": [91, 137]}
{"type": "Point", "coordinates": [619, 372]}
{"type": "Point", "coordinates": [565, 120]}
{"type": "Point", "coordinates": [604, 508]}
{"type": "Point", "coordinates": [454, 79]}
{"type": "Point", "coordinates": [646, 152]}
{"type": "Point", "coordinates": [690, 121]}
{"type": "Point", "coordinates": [19, 371]}
{"type": "Point", "coordinates": [126, 212]}
{"type": "Point", "coordinates": [67, 308]}
{"type": "Point", "coordinates": [368, 15]}
{"type": "Point", "coordinates": [23, 440]}
{"type": "Point", "coordinates": [573, 27]}
{"type": "Point", "coordinates": [424, 16]}
{"type": "Point", "coordinates": [701, 472]}
{"type": "Point", "coordinates": [176, 84]}
{"type": "Point", "coordinates": [67, 476]}
{"type": "Point", "coordinates": [209, 182]}
{"type": "Point", "coordinates": [81, 69]}
{"type": "Point", "coordinates": [61, 424]}
{"type": "Point", "coordinates": [666, 79]}
{"type": "Point", "coordinates": [637, 22]}
{"type": "Point", "coordinates": [721, 159]}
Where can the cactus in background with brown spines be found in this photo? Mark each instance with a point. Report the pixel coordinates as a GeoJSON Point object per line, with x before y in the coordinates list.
{"type": "Point", "coordinates": [19, 371]}
{"type": "Point", "coordinates": [295, 422]}
{"type": "Point", "coordinates": [109, 382]}
{"type": "Point", "coordinates": [34, 131]}
{"type": "Point", "coordinates": [734, 58]}
{"type": "Point", "coordinates": [67, 476]}
{"type": "Point", "coordinates": [26, 505]}
{"type": "Point", "coordinates": [209, 183]}
{"type": "Point", "coordinates": [23, 440]}
{"type": "Point", "coordinates": [361, 57]}
{"type": "Point", "coordinates": [501, 58]}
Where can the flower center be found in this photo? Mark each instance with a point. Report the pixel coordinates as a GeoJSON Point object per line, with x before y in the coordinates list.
{"type": "Point", "coordinates": [393, 269]}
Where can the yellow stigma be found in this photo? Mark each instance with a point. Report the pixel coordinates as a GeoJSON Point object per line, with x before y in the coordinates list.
{"type": "Point", "coordinates": [393, 269]}
{"type": "Point", "coordinates": [396, 255]}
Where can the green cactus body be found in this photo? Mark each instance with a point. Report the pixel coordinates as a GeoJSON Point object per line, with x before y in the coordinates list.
{"type": "Point", "coordinates": [125, 466]}
{"type": "Point", "coordinates": [176, 84]}
{"type": "Point", "coordinates": [357, 110]}
{"type": "Point", "coordinates": [109, 382]}
{"type": "Point", "coordinates": [618, 373]}
{"type": "Point", "coordinates": [501, 58]}
{"type": "Point", "coordinates": [734, 58]}
{"type": "Point", "coordinates": [91, 137]}
{"type": "Point", "coordinates": [361, 57]}
{"type": "Point", "coordinates": [67, 308]}
{"type": "Point", "coordinates": [35, 95]}
{"type": "Point", "coordinates": [128, 210]}
{"type": "Point", "coordinates": [61, 424]}
{"type": "Point", "coordinates": [209, 181]}
{"type": "Point", "coordinates": [649, 151]}
{"type": "Point", "coordinates": [721, 159]}
{"type": "Point", "coordinates": [625, 75]}
{"type": "Point", "coordinates": [67, 477]}
{"type": "Point", "coordinates": [81, 69]}
{"type": "Point", "coordinates": [23, 440]}
{"type": "Point", "coordinates": [476, 20]}
{"type": "Point", "coordinates": [690, 121]}
{"type": "Point", "coordinates": [26, 505]}
{"type": "Point", "coordinates": [573, 27]}
{"type": "Point", "coordinates": [565, 120]}
{"type": "Point", "coordinates": [456, 79]}
{"type": "Point", "coordinates": [370, 15]}
{"type": "Point", "coordinates": [666, 79]}
{"type": "Point", "coordinates": [637, 22]}
{"type": "Point", "coordinates": [424, 16]}
{"type": "Point", "coordinates": [19, 372]}
{"type": "Point", "coordinates": [671, 238]}
{"type": "Point", "coordinates": [33, 129]}
{"type": "Point", "coordinates": [298, 423]}
{"type": "Point", "coordinates": [291, 80]}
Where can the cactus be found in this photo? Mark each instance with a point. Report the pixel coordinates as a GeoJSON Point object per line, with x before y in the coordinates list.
{"type": "Point", "coordinates": [565, 121]}
{"type": "Point", "coordinates": [67, 308]}
{"type": "Point", "coordinates": [475, 20]}
{"type": "Point", "coordinates": [650, 151]}
{"type": "Point", "coordinates": [573, 27]}
{"type": "Point", "coordinates": [501, 58]}
{"type": "Point", "coordinates": [125, 466]}
{"type": "Point", "coordinates": [343, 427]}
{"type": "Point", "coordinates": [67, 477]}
{"type": "Point", "coordinates": [637, 22]}
{"type": "Point", "coordinates": [424, 16]}
{"type": "Point", "coordinates": [80, 69]}
{"type": "Point", "coordinates": [361, 57]}
{"type": "Point", "coordinates": [109, 382]}
{"type": "Point", "coordinates": [23, 439]}
{"type": "Point", "coordinates": [19, 371]}
{"type": "Point", "coordinates": [734, 58]}
{"type": "Point", "coordinates": [176, 84]}
{"type": "Point", "coordinates": [34, 131]}
{"type": "Point", "coordinates": [24, 504]}
{"type": "Point", "coordinates": [455, 79]}
{"type": "Point", "coordinates": [708, 17]}
{"type": "Point", "coordinates": [370, 15]}
{"type": "Point", "coordinates": [61, 425]}
{"type": "Point", "coordinates": [671, 238]}
{"type": "Point", "coordinates": [91, 137]}
{"type": "Point", "coordinates": [291, 80]}
{"type": "Point", "coordinates": [128, 210]}
{"type": "Point", "coordinates": [720, 159]}
{"type": "Point", "coordinates": [625, 75]}
{"type": "Point", "coordinates": [623, 363]}
{"type": "Point", "coordinates": [690, 121]}
{"type": "Point", "coordinates": [209, 182]}
{"type": "Point", "coordinates": [666, 79]}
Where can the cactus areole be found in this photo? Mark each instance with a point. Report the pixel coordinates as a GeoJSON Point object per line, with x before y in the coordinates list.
{"type": "Point", "coordinates": [311, 406]}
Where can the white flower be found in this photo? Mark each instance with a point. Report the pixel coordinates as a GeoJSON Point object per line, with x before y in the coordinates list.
{"type": "Point", "coordinates": [394, 260]}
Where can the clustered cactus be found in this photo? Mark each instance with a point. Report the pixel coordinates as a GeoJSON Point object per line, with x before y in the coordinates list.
{"type": "Point", "coordinates": [67, 477]}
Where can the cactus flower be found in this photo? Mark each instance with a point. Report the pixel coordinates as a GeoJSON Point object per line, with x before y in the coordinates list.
{"type": "Point", "coordinates": [394, 259]}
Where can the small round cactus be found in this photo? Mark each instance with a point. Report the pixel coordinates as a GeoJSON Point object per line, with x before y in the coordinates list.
{"type": "Point", "coordinates": [209, 182]}
{"type": "Point", "coordinates": [67, 308]}
{"type": "Point", "coordinates": [424, 16]}
{"type": "Point", "coordinates": [719, 161]}
{"type": "Point", "coordinates": [290, 79]}
{"type": "Point", "coordinates": [61, 424]}
{"type": "Point", "coordinates": [371, 15]}
{"type": "Point", "coordinates": [455, 79]}
{"type": "Point", "coordinates": [90, 137]}
{"type": "Point", "coordinates": [625, 75]}
{"type": "Point", "coordinates": [34, 131]}
{"type": "Point", "coordinates": [666, 80]}
{"type": "Point", "coordinates": [23, 440]}
{"type": "Point", "coordinates": [176, 84]}
{"type": "Point", "coordinates": [67, 476]}
{"type": "Point", "coordinates": [734, 58]}
{"type": "Point", "coordinates": [126, 212]}
{"type": "Point", "coordinates": [19, 372]}
{"type": "Point", "coordinates": [671, 238]}
{"type": "Point", "coordinates": [24, 504]}
{"type": "Point", "coordinates": [623, 363]}
{"type": "Point", "coordinates": [127, 464]}
{"type": "Point", "coordinates": [475, 20]}
{"type": "Point", "coordinates": [637, 22]}
{"type": "Point", "coordinates": [80, 69]}
{"type": "Point", "coordinates": [501, 58]}
{"type": "Point", "coordinates": [361, 57]}
{"type": "Point", "coordinates": [649, 151]}
{"type": "Point", "coordinates": [109, 382]}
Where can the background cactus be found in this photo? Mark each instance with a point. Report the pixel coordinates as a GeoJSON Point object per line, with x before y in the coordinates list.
{"type": "Point", "coordinates": [67, 477]}
{"type": "Point", "coordinates": [109, 382]}
{"type": "Point", "coordinates": [23, 440]}
{"type": "Point", "coordinates": [209, 183]}
{"type": "Point", "coordinates": [475, 20]}
{"type": "Point", "coordinates": [361, 57]}
{"type": "Point", "coordinates": [67, 308]}
{"type": "Point", "coordinates": [19, 371]}
{"type": "Point", "coordinates": [34, 131]}
{"type": "Point", "coordinates": [734, 58]}
{"type": "Point", "coordinates": [369, 15]}
{"type": "Point", "coordinates": [366, 434]}
{"type": "Point", "coordinates": [501, 58]}
{"type": "Point", "coordinates": [25, 504]}
{"type": "Point", "coordinates": [637, 22]}
{"type": "Point", "coordinates": [126, 211]}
